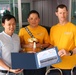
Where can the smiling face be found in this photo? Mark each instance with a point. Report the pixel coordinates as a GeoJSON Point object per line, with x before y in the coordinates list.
{"type": "Point", "coordinates": [9, 26]}
{"type": "Point", "coordinates": [62, 14]}
{"type": "Point", "coordinates": [33, 20]}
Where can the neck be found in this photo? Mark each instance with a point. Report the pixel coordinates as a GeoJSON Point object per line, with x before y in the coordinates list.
{"type": "Point", "coordinates": [8, 33]}
{"type": "Point", "coordinates": [33, 26]}
{"type": "Point", "coordinates": [63, 22]}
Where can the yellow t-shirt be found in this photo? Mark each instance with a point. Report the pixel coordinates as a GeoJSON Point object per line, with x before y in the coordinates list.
{"type": "Point", "coordinates": [39, 33]}
{"type": "Point", "coordinates": [64, 37]}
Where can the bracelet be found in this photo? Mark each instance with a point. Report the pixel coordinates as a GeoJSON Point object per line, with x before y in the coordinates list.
{"type": "Point", "coordinates": [71, 52]}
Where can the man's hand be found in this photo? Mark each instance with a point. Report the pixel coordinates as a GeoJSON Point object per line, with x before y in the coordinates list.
{"type": "Point", "coordinates": [16, 71]}
{"type": "Point", "coordinates": [63, 52]}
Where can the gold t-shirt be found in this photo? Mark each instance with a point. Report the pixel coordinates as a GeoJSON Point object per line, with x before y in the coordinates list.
{"type": "Point", "coordinates": [39, 33]}
{"type": "Point", "coordinates": [64, 37]}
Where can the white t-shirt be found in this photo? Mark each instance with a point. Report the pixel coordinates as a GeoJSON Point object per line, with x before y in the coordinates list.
{"type": "Point", "coordinates": [8, 44]}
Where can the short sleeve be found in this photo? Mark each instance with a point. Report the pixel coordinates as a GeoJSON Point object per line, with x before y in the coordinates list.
{"type": "Point", "coordinates": [51, 37]}
{"type": "Point", "coordinates": [21, 35]}
{"type": "Point", "coordinates": [75, 35]}
{"type": "Point", "coordinates": [0, 50]}
{"type": "Point", "coordinates": [46, 38]}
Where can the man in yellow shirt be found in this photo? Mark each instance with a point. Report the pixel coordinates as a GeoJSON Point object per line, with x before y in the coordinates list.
{"type": "Point", "coordinates": [63, 35]}
{"type": "Point", "coordinates": [33, 39]}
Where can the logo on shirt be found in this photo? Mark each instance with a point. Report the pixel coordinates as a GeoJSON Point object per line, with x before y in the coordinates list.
{"type": "Point", "coordinates": [39, 34]}
{"type": "Point", "coordinates": [68, 33]}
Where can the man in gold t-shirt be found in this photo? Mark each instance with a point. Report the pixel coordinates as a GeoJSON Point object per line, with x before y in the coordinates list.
{"type": "Point", "coordinates": [33, 39]}
{"type": "Point", "coordinates": [63, 35]}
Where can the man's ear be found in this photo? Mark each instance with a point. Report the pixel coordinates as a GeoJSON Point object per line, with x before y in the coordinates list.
{"type": "Point", "coordinates": [28, 19]}
{"type": "Point", "coordinates": [39, 19]}
{"type": "Point", "coordinates": [3, 24]}
{"type": "Point", "coordinates": [56, 13]}
{"type": "Point", "coordinates": [67, 13]}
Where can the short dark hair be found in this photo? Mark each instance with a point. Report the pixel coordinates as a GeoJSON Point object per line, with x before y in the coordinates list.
{"type": "Point", "coordinates": [61, 6]}
{"type": "Point", "coordinates": [33, 11]}
{"type": "Point", "coordinates": [7, 17]}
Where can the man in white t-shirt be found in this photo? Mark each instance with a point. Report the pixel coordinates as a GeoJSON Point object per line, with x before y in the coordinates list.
{"type": "Point", "coordinates": [9, 42]}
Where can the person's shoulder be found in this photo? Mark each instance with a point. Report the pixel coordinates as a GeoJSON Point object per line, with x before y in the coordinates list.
{"type": "Point", "coordinates": [1, 37]}
{"type": "Point", "coordinates": [54, 26]}
{"type": "Point", "coordinates": [23, 28]}
{"type": "Point", "coordinates": [1, 34]}
{"type": "Point", "coordinates": [42, 27]}
{"type": "Point", "coordinates": [15, 35]}
{"type": "Point", "coordinates": [71, 24]}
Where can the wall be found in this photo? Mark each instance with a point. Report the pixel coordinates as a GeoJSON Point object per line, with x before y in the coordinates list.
{"type": "Point", "coordinates": [46, 9]}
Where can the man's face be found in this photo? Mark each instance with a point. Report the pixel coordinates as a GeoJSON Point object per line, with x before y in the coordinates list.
{"type": "Point", "coordinates": [62, 14]}
{"type": "Point", "coordinates": [9, 26]}
{"type": "Point", "coordinates": [33, 20]}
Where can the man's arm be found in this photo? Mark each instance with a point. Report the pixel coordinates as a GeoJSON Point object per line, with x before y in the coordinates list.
{"type": "Point", "coordinates": [8, 68]}
{"type": "Point", "coordinates": [63, 52]}
{"type": "Point", "coordinates": [74, 50]}
{"type": "Point", "coordinates": [50, 46]}
{"type": "Point", "coordinates": [42, 46]}
{"type": "Point", "coordinates": [4, 65]}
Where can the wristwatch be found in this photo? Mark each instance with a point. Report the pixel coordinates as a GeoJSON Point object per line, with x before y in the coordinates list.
{"type": "Point", "coordinates": [71, 52]}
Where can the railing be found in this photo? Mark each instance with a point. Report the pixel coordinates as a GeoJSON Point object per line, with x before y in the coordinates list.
{"type": "Point", "coordinates": [53, 71]}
